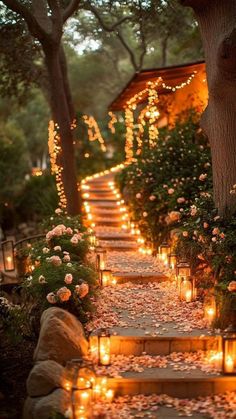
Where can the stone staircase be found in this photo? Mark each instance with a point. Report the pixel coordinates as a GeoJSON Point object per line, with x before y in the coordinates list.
{"type": "Point", "coordinates": [152, 332]}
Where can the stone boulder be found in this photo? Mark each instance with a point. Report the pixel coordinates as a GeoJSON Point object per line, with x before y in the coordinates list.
{"type": "Point", "coordinates": [45, 377]}
{"type": "Point", "coordinates": [61, 337]}
{"type": "Point", "coordinates": [44, 407]}
{"type": "Point", "coordinates": [58, 401]}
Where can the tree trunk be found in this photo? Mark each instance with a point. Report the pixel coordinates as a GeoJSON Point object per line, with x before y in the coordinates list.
{"type": "Point", "coordinates": [218, 29]}
{"type": "Point", "coordinates": [164, 51]}
{"type": "Point", "coordinates": [60, 110]}
{"type": "Point", "coordinates": [70, 103]}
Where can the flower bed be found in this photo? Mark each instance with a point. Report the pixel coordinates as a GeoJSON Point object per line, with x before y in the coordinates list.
{"type": "Point", "coordinates": [169, 190]}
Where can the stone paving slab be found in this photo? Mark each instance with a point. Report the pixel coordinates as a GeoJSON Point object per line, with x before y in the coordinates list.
{"type": "Point", "coordinates": [165, 413]}
{"type": "Point", "coordinates": [187, 387]}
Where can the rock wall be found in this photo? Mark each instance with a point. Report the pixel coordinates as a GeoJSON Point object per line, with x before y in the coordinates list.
{"type": "Point", "coordinates": [61, 338]}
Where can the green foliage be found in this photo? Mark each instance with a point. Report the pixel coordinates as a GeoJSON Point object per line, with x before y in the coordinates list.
{"type": "Point", "coordinates": [38, 198]}
{"type": "Point", "coordinates": [165, 180]}
{"type": "Point", "coordinates": [169, 189]}
{"type": "Point", "coordinates": [14, 165]}
{"type": "Point", "coordinates": [63, 274]}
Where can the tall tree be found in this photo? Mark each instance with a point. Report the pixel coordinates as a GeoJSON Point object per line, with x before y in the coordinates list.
{"type": "Point", "coordinates": [218, 29]}
{"type": "Point", "coordinates": [45, 20]}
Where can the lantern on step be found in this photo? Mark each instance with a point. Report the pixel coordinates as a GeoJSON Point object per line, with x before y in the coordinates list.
{"type": "Point", "coordinates": [77, 371]}
{"type": "Point", "coordinates": [106, 277]}
{"type": "Point", "coordinates": [101, 258]}
{"type": "Point", "coordinates": [187, 289]}
{"type": "Point", "coordinates": [8, 256]}
{"type": "Point", "coordinates": [82, 400]}
{"type": "Point", "coordinates": [164, 251]}
{"type": "Point", "coordinates": [92, 240]}
{"type": "Point", "coordinates": [100, 346]}
{"type": "Point", "coordinates": [183, 269]}
{"type": "Point", "coordinates": [209, 308]}
{"type": "Point", "coordinates": [172, 260]}
{"type": "Point", "coordinates": [229, 350]}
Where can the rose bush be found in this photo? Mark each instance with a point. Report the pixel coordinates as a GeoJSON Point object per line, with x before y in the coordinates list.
{"type": "Point", "coordinates": [60, 271]}
{"type": "Point", "coordinates": [172, 185]}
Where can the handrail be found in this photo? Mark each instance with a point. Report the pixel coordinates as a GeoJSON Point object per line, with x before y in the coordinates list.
{"type": "Point", "coordinates": [28, 239]}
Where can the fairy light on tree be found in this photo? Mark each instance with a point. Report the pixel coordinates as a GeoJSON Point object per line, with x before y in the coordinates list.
{"type": "Point", "coordinates": [54, 148]}
{"type": "Point", "coordinates": [94, 131]}
{"type": "Point", "coordinates": [112, 122]}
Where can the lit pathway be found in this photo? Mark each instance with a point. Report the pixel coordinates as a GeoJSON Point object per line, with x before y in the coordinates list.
{"type": "Point", "coordinates": [160, 346]}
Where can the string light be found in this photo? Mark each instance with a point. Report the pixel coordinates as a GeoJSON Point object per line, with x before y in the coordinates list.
{"type": "Point", "coordinates": [54, 147]}
{"type": "Point", "coordinates": [129, 122]}
{"type": "Point", "coordinates": [112, 122]}
{"type": "Point", "coordinates": [151, 113]}
{"type": "Point", "coordinates": [94, 131]}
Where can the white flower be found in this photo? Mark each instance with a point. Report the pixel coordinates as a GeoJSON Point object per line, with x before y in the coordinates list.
{"type": "Point", "coordinates": [42, 279]}
{"type": "Point", "coordinates": [46, 250]}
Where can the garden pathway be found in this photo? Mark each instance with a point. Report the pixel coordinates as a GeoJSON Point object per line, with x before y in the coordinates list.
{"type": "Point", "coordinates": [162, 351]}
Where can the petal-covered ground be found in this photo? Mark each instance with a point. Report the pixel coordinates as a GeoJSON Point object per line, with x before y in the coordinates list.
{"type": "Point", "coordinates": [221, 406]}
{"type": "Point", "coordinates": [153, 308]}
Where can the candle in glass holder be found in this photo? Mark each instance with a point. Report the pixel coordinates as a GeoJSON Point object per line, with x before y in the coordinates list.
{"type": "Point", "coordinates": [209, 307]}
{"type": "Point", "coordinates": [109, 395]}
{"type": "Point", "coordinates": [164, 251]}
{"type": "Point", "coordinates": [172, 260]}
{"type": "Point", "coordinates": [104, 347]}
{"type": "Point", "coordinates": [106, 277]}
{"type": "Point", "coordinates": [229, 350]}
{"type": "Point", "coordinates": [81, 401]}
{"type": "Point", "coordinates": [187, 290]}
{"type": "Point", "coordinates": [8, 255]}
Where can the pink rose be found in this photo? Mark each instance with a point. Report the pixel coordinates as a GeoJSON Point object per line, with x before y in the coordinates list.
{"type": "Point", "coordinates": [82, 290]}
{"type": "Point", "coordinates": [180, 200]}
{"type": "Point", "coordinates": [232, 286]}
{"type": "Point", "coordinates": [193, 210]}
{"type": "Point", "coordinates": [202, 177]}
{"type": "Point", "coordinates": [215, 231]}
{"type": "Point", "coordinates": [205, 225]}
{"type": "Point", "coordinates": [55, 260]}
{"type": "Point", "coordinates": [145, 214]}
{"type": "Point", "coordinates": [170, 191]}
{"type": "Point", "coordinates": [51, 298]}
{"type": "Point", "coordinates": [174, 216]}
{"type": "Point", "coordinates": [57, 248]}
{"type": "Point", "coordinates": [185, 233]}
{"type": "Point", "coordinates": [69, 230]}
{"type": "Point", "coordinates": [74, 240]}
{"type": "Point", "coordinates": [214, 239]}
{"type": "Point", "coordinates": [58, 211]}
{"type": "Point", "coordinates": [64, 294]}
{"type": "Point", "coordinates": [152, 198]}
{"type": "Point", "coordinates": [138, 195]}
{"type": "Point", "coordinates": [66, 258]}
{"type": "Point", "coordinates": [68, 279]}
{"type": "Point", "coordinates": [222, 235]}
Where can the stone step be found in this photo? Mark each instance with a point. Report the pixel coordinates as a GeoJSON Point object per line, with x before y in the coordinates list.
{"type": "Point", "coordinates": [101, 200]}
{"type": "Point", "coordinates": [163, 345]}
{"type": "Point", "coordinates": [121, 236]}
{"type": "Point", "coordinates": [137, 278]}
{"type": "Point", "coordinates": [165, 381]}
{"type": "Point", "coordinates": [124, 247]}
{"type": "Point", "coordinates": [106, 222]}
{"type": "Point", "coordinates": [103, 205]}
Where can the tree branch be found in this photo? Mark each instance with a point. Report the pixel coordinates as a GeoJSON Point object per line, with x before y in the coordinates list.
{"type": "Point", "coordinates": [70, 9]}
{"type": "Point", "coordinates": [56, 18]}
{"type": "Point", "coordinates": [106, 27]}
{"type": "Point", "coordinates": [143, 40]}
{"type": "Point", "coordinates": [129, 50]}
{"type": "Point", "coordinates": [35, 28]}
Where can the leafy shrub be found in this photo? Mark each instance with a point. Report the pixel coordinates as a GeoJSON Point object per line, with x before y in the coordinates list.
{"type": "Point", "coordinates": [63, 274]}
{"type": "Point", "coordinates": [169, 189]}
